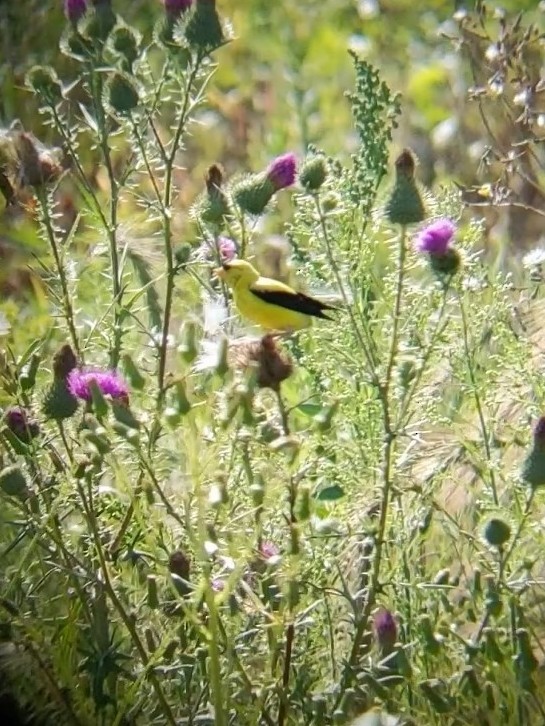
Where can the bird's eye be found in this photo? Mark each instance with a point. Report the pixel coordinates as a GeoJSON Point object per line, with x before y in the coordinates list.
{"type": "Point", "coordinates": [226, 267]}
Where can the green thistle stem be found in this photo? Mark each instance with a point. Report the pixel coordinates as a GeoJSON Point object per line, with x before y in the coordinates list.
{"type": "Point", "coordinates": [387, 481]}
{"type": "Point", "coordinates": [68, 311]}
{"type": "Point", "coordinates": [167, 233]}
{"type": "Point", "coordinates": [478, 404]}
{"type": "Point", "coordinates": [118, 605]}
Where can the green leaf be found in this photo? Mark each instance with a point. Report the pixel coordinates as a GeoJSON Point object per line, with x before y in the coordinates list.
{"type": "Point", "coordinates": [142, 271]}
{"type": "Point", "coordinates": [330, 494]}
{"type": "Point", "coordinates": [309, 409]}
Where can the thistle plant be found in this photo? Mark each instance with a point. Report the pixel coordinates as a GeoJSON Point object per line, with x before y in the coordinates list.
{"type": "Point", "coordinates": [203, 522]}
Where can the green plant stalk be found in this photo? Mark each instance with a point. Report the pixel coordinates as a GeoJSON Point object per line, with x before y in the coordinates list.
{"type": "Point", "coordinates": [117, 288]}
{"type": "Point", "coordinates": [484, 429]}
{"type": "Point", "coordinates": [438, 329]}
{"type": "Point", "coordinates": [118, 605]}
{"type": "Point", "coordinates": [60, 127]}
{"type": "Point", "coordinates": [66, 302]}
{"type": "Point", "coordinates": [505, 559]}
{"type": "Point", "coordinates": [215, 666]}
{"type": "Point", "coordinates": [366, 346]}
{"type": "Point", "coordinates": [387, 480]}
{"type": "Point", "coordinates": [290, 629]}
{"type": "Point", "coordinates": [95, 85]}
{"type": "Point", "coordinates": [167, 234]}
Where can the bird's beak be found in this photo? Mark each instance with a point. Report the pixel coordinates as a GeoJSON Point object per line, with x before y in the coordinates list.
{"type": "Point", "coordinates": [219, 272]}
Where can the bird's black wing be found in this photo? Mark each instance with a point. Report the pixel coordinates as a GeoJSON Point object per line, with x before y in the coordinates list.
{"type": "Point", "coordinates": [297, 301]}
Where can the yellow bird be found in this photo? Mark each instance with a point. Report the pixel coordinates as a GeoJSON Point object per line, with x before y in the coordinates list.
{"type": "Point", "coordinates": [268, 302]}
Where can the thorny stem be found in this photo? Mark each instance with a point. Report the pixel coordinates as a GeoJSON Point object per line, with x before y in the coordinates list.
{"type": "Point", "coordinates": [290, 628]}
{"type": "Point", "coordinates": [66, 302]}
{"type": "Point", "coordinates": [118, 605]}
{"type": "Point", "coordinates": [117, 288]}
{"type": "Point", "coordinates": [365, 346]}
{"type": "Point", "coordinates": [397, 309]}
{"type": "Point", "coordinates": [387, 480]}
{"type": "Point", "coordinates": [95, 85]}
{"type": "Point", "coordinates": [438, 329]}
{"type": "Point", "coordinates": [478, 404]}
{"type": "Point", "coordinates": [504, 560]}
{"type": "Point", "coordinates": [167, 235]}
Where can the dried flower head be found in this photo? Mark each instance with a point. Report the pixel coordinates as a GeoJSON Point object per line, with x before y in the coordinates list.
{"type": "Point", "coordinates": [214, 205]}
{"type": "Point", "coordinates": [63, 362]}
{"type": "Point", "coordinates": [179, 564]}
{"type": "Point", "coordinates": [436, 238]}
{"type": "Point", "coordinates": [74, 10]}
{"type": "Point", "coordinates": [110, 383]}
{"type": "Point", "coordinates": [272, 365]}
{"type": "Point", "coordinates": [19, 422]}
{"type": "Point", "coordinates": [281, 171]}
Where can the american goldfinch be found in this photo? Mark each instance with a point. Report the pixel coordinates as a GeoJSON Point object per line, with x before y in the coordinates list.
{"type": "Point", "coordinates": [268, 302]}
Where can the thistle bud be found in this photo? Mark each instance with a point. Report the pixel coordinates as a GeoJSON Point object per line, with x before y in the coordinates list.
{"type": "Point", "coordinates": [533, 468]}
{"type": "Point", "coordinates": [313, 173]}
{"type": "Point", "coordinates": [74, 10]}
{"type": "Point", "coordinates": [18, 421]}
{"type": "Point", "coordinates": [121, 93]}
{"type": "Point", "coordinates": [179, 565]}
{"type": "Point", "coordinates": [497, 532]}
{"type": "Point", "coordinates": [385, 628]}
{"type": "Point", "coordinates": [13, 482]}
{"type": "Point", "coordinates": [213, 206]}
{"type": "Point", "coordinates": [281, 171]}
{"type": "Point", "coordinates": [124, 42]}
{"type": "Point", "coordinates": [405, 205]}
{"type": "Point", "coordinates": [58, 402]}
{"type": "Point", "coordinates": [253, 193]}
{"type": "Point", "coordinates": [203, 31]}
{"type": "Point", "coordinates": [44, 81]}
{"type": "Point", "coordinates": [100, 21]}
{"type": "Point", "coordinates": [64, 361]}
{"type": "Point", "coordinates": [175, 8]}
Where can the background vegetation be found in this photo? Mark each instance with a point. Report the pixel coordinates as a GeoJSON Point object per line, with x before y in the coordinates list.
{"type": "Point", "coordinates": [325, 529]}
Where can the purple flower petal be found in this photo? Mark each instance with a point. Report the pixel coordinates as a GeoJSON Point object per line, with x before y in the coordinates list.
{"type": "Point", "coordinates": [435, 239]}
{"type": "Point", "coordinates": [110, 383]}
{"type": "Point", "coordinates": [74, 9]}
{"type": "Point", "coordinates": [281, 171]}
{"type": "Point", "coordinates": [175, 8]}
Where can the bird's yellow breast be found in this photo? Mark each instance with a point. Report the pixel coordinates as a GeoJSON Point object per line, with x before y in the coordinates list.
{"type": "Point", "coordinates": [268, 315]}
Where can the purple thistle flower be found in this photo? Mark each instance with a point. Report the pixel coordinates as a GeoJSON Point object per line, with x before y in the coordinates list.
{"type": "Point", "coordinates": [385, 628]}
{"type": "Point", "coordinates": [281, 171]}
{"type": "Point", "coordinates": [227, 248]}
{"type": "Point", "coordinates": [268, 550]}
{"type": "Point", "coordinates": [218, 585]}
{"type": "Point", "coordinates": [74, 10]}
{"type": "Point", "coordinates": [110, 383]}
{"type": "Point", "coordinates": [174, 8]}
{"type": "Point", "coordinates": [435, 239]}
{"type": "Point", "coordinates": [19, 423]}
